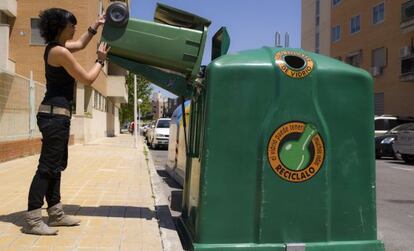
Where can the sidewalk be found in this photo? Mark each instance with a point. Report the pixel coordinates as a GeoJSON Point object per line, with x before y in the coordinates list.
{"type": "Point", "coordinates": [106, 184]}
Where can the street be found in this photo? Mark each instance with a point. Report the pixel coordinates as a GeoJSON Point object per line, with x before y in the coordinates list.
{"type": "Point", "coordinates": [171, 189]}
{"type": "Point", "coordinates": [395, 199]}
{"type": "Point", "coordinates": [395, 204]}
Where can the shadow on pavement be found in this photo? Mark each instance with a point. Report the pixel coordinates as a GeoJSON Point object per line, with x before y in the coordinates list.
{"type": "Point", "coordinates": [168, 179]}
{"type": "Point", "coordinates": [401, 163]}
{"type": "Point", "coordinates": [176, 200]}
{"type": "Point", "coordinates": [401, 201]}
{"type": "Point", "coordinates": [17, 218]}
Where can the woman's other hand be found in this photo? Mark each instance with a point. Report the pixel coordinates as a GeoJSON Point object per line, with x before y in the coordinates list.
{"type": "Point", "coordinates": [103, 50]}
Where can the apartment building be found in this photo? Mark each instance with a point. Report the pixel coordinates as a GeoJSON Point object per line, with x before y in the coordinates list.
{"type": "Point", "coordinates": [162, 106]}
{"type": "Point", "coordinates": [316, 26]}
{"type": "Point", "coordinates": [376, 35]}
{"type": "Point", "coordinates": [96, 108]}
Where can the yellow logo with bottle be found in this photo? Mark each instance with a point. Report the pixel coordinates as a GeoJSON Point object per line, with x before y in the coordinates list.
{"type": "Point", "coordinates": [296, 151]}
{"type": "Point", "coordinates": [294, 64]}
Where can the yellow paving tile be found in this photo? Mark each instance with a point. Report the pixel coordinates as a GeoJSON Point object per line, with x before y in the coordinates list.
{"type": "Point", "coordinates": [131, 247]}
{"type": "Point", "coordinates": [25, 240]}
{"type": "Point", "coordinates": [87, 249]}
{"type": "Point", "coordinates": [151, 246]}
{"type": "Point", "coordinates": [65, 242]}
{"type": "Point", "coordinates": [45, 241]}
{"type": "Point", "coordinates": [6, 240]}
{"type": "Point", "coordinates": [90, 241]}
{"type": "Point", "coordinates": [58, 248]}
{"type": "Point", "coordinates": [106, 185]}
{"type": "Point", "coordinates": [18, 248]}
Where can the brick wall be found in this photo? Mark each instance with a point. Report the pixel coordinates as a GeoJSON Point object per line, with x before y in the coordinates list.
{"type": "Point", "coordinates": [15, 149]}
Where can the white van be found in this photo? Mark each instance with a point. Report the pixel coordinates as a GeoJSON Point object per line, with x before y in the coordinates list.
{"type": "Point", "coordinates": [159, 134]}
{"type": "Point", "coordinates": [177, 149]}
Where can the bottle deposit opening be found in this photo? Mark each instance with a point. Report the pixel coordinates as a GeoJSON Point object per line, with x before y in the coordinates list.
{"type": "Point", "coordinates": [294, 62]}
{"type": "Point", "coordinates": [117, 14]}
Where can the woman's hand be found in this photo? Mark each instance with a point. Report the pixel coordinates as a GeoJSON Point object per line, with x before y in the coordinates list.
{"type": "Point", "coordinates": [99, 21]}
{"type": "Point", "coordinates": [103, 51]}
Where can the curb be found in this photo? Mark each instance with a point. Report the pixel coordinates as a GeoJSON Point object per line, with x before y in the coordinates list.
{"type": "Point", "coordinates": [168, 232]}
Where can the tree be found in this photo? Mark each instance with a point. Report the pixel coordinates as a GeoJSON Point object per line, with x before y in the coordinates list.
{"type": "Point", "coordinates": [143, 92]}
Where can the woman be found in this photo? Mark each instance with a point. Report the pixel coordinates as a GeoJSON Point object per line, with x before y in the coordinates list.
{"type": "Point", "coordinates": [57, 27]}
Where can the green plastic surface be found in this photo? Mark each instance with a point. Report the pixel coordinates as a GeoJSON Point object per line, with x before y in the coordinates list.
{"type": "Point", "coordinates": [234, 200]}
{"type": "Point", "coordinates": [169, 47]}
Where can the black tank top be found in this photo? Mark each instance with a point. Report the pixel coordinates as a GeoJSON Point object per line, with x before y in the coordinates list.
{"type": "Point", "coordinates": [59, 84]}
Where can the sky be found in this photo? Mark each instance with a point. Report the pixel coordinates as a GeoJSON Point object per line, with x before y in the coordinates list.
{"type": "Point", "coordinates": [250, 24]}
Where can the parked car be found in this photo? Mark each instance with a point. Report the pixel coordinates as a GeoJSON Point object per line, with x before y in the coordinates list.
{"type": "Point", "coordinates": [404, 143]}
{"type": "Point", "coordinates": [144, 130]}
{"type": "Point", "coordinates": [159, 133]}
{"type": "Point", "coordinates": [148, 132]}
{"type": "Point", "coordinates": [384, 123]}
{"type": "Point", "coordinates": [383, 143]}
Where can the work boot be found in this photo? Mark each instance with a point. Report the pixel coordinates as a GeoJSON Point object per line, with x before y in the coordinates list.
{"type": "Point", "coordinates": [35, 224]}
{"type": "Point", "coordinates": [58, 218]}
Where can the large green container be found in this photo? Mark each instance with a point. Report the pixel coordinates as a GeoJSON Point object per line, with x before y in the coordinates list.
{"type": "Point", "coordinates": [281, 155]}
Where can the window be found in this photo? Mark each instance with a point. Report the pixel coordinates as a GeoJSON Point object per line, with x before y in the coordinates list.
{"type": "Point", "coordinates": [379, 103]}
{"type": "Point", "coordinates": [317, 7]}
{"type": "Point", "coordinates": [378, 13]}
{"type": "Point", "coordinates": [355, 24]}
{"type": "Point", "coordinates": [335, 2]}
{"type": "Point", "coordinates": [354, 58]}
{"type": "Point", "coordinates": [99, 101]}
{"type": "Point", "coordinates": [317, 49]}
{"type": "Point", "coordinates": [407, 66]}
{"type": "Point", "coordinates": [407, 11]}
{"type": "Point", "coordinates": [336, 33]}
{"type": "Point", "coordinates": [163, 124]}
{"type": "Point", "coordinates": [35, 38]}
{"type": "Point", "coordinates": [379, 57]}
{"type": "Point", "coordinates": [378, 61]}
{"type": "Point", "coordinates": [381, 124]}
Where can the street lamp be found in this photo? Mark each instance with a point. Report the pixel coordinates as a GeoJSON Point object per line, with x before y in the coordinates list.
{"type": "Point", "coordinates": [139, 115]}
{"type": "Point", "coordinates": [135, 112]}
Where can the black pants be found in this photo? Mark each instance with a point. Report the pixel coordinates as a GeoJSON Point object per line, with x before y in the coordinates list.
{"type": "Point", "coordinates": [53, 160]}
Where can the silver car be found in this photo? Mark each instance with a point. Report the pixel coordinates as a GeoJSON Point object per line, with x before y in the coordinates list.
{"type": "Point", "coordinates": [404, 143]}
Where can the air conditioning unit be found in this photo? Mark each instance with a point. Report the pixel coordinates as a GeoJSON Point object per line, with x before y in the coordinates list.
{"type": "Point", "coordinates": [376, 70]}
{"type": "Point", "coordinates": [405, 51]}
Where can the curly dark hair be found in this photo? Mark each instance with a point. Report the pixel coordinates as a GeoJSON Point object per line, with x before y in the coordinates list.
{"type": "Point", "coordinates": [53, 21]}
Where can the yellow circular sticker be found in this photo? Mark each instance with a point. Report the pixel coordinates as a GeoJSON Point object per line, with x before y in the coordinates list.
{"type": "Point", "coordinates": [294, 64]}
{"type": "Point", "coordinates": [296, 151]}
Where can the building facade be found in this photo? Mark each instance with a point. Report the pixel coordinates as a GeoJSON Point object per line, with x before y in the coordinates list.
{"type": "Point", "coordinates": [376, 35]}
{"type": "Point", "coordinates": [316, 26]}
{"type": "Point", "coordinates": [96, 108]}
{"type": "Point", "coordinates": [163, 107]}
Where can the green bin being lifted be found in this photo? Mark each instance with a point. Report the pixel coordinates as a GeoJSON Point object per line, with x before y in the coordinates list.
{"type": "Point", "coordinates": [175, 41]}
{"type": "Point", "coordinates": [280, 152]}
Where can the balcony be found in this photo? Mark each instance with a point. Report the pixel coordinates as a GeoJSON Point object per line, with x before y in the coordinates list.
{"type": "Point", "coordinates": [4, 46]}
{"type": "Point", "coordinates": [116, 85]}
{"type": "Point", "coordinates": [407, 16]}
{"type": "Point", "coordinates": [407, 69]}
{"type": "Point", "coordinates": [116, 89]}
{"type": "Point", "coordinates": [9, 7]}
